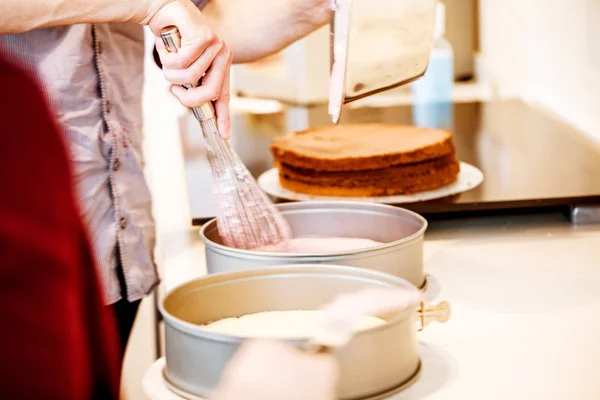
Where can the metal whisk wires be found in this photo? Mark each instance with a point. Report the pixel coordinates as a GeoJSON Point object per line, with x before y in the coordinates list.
{"type": "Point", "coordinates": [246, 217]}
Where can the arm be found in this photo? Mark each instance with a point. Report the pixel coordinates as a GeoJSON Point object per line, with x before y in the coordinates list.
{"type": "Point", "coordinates": [255, 29]}
{"type": "Point", "coordinates": [201, 49]}
{"type": "Point", "coordinates": [21, 16]}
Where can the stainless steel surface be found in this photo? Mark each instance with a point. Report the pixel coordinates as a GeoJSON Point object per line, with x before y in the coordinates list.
{"type": "Point", "coordinates": [585, 214]}
{"type": "Point", "coordinates": [375, 361]}
{"type": "Point", "coordinates": [385, 44]}
{"type": "Point", "coordinates": [400, 230]}
{"type": "Point", "coordinates": [247, 218]}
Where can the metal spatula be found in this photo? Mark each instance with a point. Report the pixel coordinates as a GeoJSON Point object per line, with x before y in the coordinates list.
{"type": "Point", "coordinates": [343, 316]}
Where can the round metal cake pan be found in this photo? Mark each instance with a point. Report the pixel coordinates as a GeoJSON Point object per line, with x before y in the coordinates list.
{"type": "Point", "coordinates": [376, 361]}
{"type": "Point", "coordinates": [401, 231]}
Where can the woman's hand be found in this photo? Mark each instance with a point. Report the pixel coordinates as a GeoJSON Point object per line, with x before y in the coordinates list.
{"type": "Point", "coordinates": [272, 370]}
{"type": "Point", "coordinates": [202, 51]}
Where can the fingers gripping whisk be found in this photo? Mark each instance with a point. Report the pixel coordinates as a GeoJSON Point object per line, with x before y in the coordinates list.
{"type": "Point", "coordinates": [246, 217]}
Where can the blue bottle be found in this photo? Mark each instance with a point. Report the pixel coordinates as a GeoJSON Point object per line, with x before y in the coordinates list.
{"type": "Point", "coordinates": [432, 93]}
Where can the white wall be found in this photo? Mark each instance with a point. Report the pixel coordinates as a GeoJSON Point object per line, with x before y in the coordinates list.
{"type": "Point", "coordinates": [549, 52]}
{"type": "Point", "coordinates": [564, 61]}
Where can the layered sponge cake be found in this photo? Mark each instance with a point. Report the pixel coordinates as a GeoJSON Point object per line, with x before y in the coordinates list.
{"type": "Point", "coordinates": [363, 160]}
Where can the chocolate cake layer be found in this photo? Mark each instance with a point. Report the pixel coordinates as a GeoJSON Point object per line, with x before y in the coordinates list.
{"type": "Point", "coordinates": [398, 179]}
{"type": "Point", "coordinates": [359, 147]}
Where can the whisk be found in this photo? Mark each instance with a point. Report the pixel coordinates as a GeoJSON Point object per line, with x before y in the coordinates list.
{"type": "Point", "coordinates": [246, 217]}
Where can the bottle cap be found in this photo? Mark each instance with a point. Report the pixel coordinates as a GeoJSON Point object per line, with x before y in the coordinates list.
{"type": "Point", "coordinates": [440, 20]}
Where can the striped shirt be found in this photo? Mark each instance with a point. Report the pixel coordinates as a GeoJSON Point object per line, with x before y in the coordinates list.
{"type": "Point", "coordinates": [93, 77]}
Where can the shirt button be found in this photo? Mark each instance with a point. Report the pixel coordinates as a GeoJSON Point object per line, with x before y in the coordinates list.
{"type": "Point", "coordinates": [123, 222]}
{"type": "Point", "coordinates": [116, 165]}
{"type": "Point", "coordinates": [108, 107]}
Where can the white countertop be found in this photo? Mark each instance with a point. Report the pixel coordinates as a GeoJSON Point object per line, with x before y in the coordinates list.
{"type": "Point", "coordinates": [525, 292]}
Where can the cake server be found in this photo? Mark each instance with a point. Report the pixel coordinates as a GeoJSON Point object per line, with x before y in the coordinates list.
{"type": "Point", "coordinates": [342, 317]}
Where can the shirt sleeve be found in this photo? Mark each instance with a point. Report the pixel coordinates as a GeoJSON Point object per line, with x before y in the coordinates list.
{"type": "Point", "coordinates": [200, 3]}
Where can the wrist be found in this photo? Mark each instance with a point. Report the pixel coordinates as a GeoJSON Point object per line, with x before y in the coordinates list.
{"type": "Point", "coordinates": [316, 12]}
{"type": "Point", "coordinates": [150, 9]}
{"type": "Point", "coordinates": [171, 12]}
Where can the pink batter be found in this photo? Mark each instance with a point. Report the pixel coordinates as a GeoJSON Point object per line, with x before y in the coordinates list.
{"type": "Point", "coordinates": [315, 245]}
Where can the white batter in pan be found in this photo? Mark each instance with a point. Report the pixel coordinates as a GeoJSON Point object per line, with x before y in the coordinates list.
{"type": "Point", "coordinates": [279, 324]}
{"type": "Point", "coordinates": [321, 245]}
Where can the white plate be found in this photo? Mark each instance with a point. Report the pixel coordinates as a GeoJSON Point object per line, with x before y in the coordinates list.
{"type": "Point", "coordinates": [468, 178]}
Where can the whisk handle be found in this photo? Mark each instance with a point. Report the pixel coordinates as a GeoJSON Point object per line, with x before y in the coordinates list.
{"type": "Point", "coordinates": [172, 39]}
